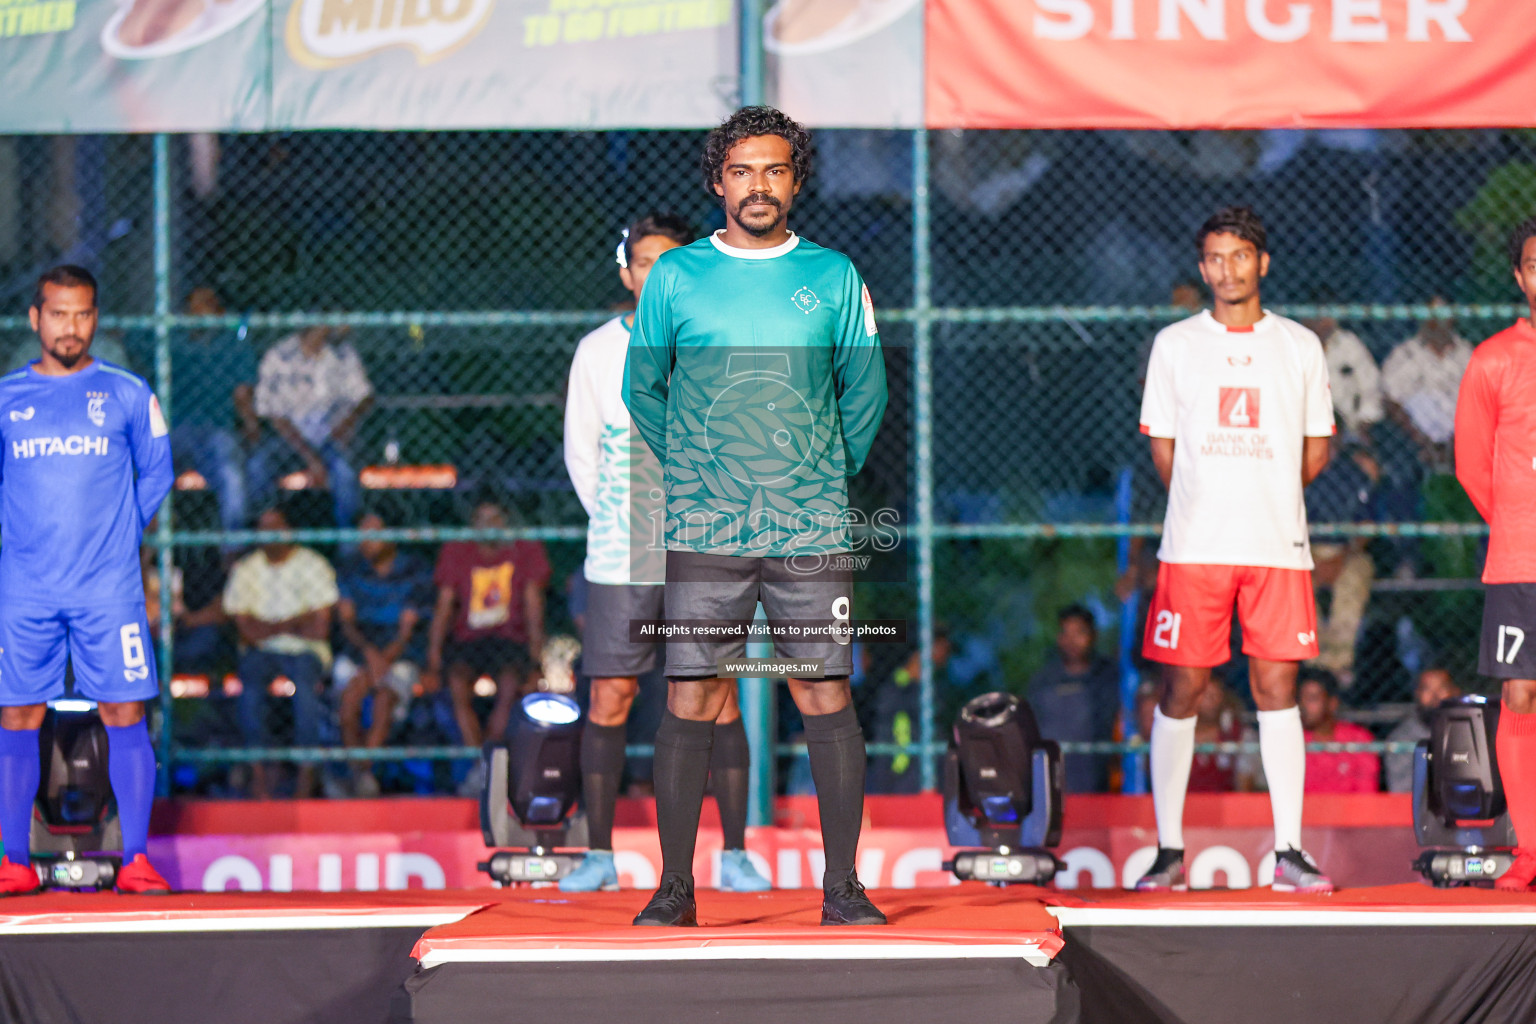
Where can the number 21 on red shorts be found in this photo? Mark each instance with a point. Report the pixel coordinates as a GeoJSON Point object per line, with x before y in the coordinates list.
{"type": "Point", "coordinates": [1190, 621]}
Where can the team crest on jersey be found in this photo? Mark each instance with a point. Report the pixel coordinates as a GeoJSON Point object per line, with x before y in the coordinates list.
{"type": "Point", "coordinates": [805, 299]}
{"type": "Point", "coordinates": [95, 407]}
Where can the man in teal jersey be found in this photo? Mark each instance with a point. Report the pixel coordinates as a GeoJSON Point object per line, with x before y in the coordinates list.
{"type": "Point", "coordinates": [619, 482]}
{"type": "Point", "coordinates": [755, 375]}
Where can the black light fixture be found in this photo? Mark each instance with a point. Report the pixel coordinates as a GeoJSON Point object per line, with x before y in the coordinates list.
{"type": "Point", "coordinates": [1459, 814]}
{"type": "Point", "coordinates": [532, 784]}
{"type": "Point", "coordinates": [1002, 792]}
{"type": "Point", "coordinates": [76, 838]}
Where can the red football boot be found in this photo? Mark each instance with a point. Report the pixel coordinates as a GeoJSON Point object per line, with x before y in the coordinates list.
{"type": "Point", "coordinates": [18, 879]}
{"type": "Point", "coordinates": [1520, 874]}
{"type": "Point", "coordinates": [139, 876]}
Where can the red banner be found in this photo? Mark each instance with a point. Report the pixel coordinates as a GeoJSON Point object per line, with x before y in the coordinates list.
{"type": "Point", "coordinates": [1230, 63]}
{"type": "Point", "coordinates": [432, 844]}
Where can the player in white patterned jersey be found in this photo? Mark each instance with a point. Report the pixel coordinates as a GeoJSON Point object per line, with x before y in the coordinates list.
{"type": "Point", "coordinates": [1239, 415]}
{"type": "Point", "coordinates": [619, 481]}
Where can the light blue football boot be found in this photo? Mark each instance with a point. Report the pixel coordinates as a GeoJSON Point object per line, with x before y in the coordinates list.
{"type": "Point", "coordinates": [596, 871]}
{"type": "Point", "coordinates": [739, 874]}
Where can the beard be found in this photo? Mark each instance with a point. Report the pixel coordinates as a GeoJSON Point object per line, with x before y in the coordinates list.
{"type": "Point", "coordinates": [760, 228]}
{"type": "Point", "coordinates": [68, 358]}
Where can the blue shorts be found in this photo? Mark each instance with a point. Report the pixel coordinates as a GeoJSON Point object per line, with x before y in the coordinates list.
{"type": "Point", "coordinates": [113, 655]}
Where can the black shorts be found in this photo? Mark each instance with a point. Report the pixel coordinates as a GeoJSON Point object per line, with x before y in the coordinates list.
{"type": "Point", "coordinates": [727, 588]}
{"type": "Point", "coordinates": [489, 656]}
{"type": "Point", "coordinates": [607, 652]}
{"type": "Point", "coordinates": [1508, 647]}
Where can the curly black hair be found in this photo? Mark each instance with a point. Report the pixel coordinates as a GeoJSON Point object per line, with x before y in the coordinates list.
{"type": "Point", "coordinates": [1234, 220]}
{"type": "Point", "coordinates": [745, 124]}
{"type": "Point", "coordinates": [1524, 231]}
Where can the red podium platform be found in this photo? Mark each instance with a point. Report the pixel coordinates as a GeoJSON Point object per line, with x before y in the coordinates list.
{"type": "Point", "coordinates": [754, 958]}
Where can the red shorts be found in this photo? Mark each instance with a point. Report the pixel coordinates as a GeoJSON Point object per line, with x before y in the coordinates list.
{"type": "Point", "coordinates": [1190, 621]}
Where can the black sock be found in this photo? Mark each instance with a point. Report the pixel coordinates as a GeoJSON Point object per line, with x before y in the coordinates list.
{"type": "Point", "coordinates": [837, 766]}
{"type": "Point", "coordinates": [728, 766]}
{"type": "Point", "coordinates": [682, 769]}
{"type": "Point", "coordinates": [602, 769]}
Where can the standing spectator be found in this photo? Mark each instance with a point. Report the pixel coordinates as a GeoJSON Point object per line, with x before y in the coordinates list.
{"type": "Point", "coordinates": [489, 620]}
{"type": "Point", "coordinates": [313, 391]}
{"type": "Point", "coordinates": [1075, 696]}
{"type": "Point", "coordinates": [1435, 684]}
{"type": "Point", "coordinates": [1360, 772]}
{"type": "Point", "coordinates": [385, 595]}
{"type": "Point", "coordinates": [1344, 492]}
{"type": "Point", "coordinates": [898, 712]}
{"type": "Point", "coordinates": [281, 596]}
{"type": "Point", "coordinates": [1353, 378]}
{"type": "Point", "coordinates": [215, 406]}
{"type": "Point", "coordinates": [1420, 379]}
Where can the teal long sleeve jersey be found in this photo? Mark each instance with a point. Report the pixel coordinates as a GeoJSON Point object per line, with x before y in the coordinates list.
{"type": "Point", "coordinates": [756, 377]}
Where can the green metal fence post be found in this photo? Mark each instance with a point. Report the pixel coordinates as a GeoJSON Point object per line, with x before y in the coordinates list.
{"type": "Point", "coordinates": [756, 695]}
{"type": "Point", "coordinates": [162, 244]}
{"type": "Point", "coordinates": [922, 311]}
{"type": "Point", "coordinates": [750, 13]}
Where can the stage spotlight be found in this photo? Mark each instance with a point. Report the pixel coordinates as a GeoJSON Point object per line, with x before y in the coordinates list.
{"type": "Point", "coordinates": [1002, 791]}
{"type": "Point", "coordinates": [532, 784]}
{"type": "Point", "coordinates": [1459, 814]}
{"type": "Point", "coordinates": [74, 824]}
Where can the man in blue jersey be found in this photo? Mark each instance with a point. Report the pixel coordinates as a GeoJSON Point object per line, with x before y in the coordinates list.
{"type": "Point", "coordinates": [85, 460]}
{"type": "Point", "coordinates": [756, 377]}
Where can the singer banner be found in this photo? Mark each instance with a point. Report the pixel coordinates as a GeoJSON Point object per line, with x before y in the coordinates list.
{"type": "Point", "coordinates": [1229, 63]}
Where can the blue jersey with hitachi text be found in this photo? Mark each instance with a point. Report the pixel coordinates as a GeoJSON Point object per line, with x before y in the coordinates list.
{"type": "Point", "coordinates": [72, 507]}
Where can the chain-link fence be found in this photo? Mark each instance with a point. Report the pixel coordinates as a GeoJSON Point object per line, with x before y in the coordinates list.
{"type": "Point", "coordinates": [350, 323]}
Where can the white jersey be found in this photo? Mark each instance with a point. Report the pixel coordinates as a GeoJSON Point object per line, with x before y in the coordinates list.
{"type": "Point", "coordinates": [1237, 404]}
{"type": "Point", "coordinates": [613, 470]}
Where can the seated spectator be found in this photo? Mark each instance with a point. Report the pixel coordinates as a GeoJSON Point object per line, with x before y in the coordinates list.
{"type": "Point", "coordinates": [197, 608]}
{"type": "Point", "coordinates": [312, 391]}
{"type": "Point", "coordinates": [281, 596]}
{"type": "Point", "coordinates": [1317, 696]}
{"type": "Point", "coordinates": [1434, 685]}
{"type": "Point", "coordinates": [1420, 379]}
{"type": "Point", "coordinates": [385, 595]}
{"type": "Point", "coordinates": [1353, 378]}
{"type": "Point", "coordinates": [898, 709]}
{"type": "Point", "coordinates": [214, 408]}
{"type": "Point", "coordinates": [1075, 697]}
{"type": "Point", "coordinates": [1218, 720]}
{"type": "Point", "coordinates": [488, 621]}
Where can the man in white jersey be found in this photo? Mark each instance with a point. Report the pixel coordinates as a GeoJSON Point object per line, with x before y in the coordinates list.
{"type": "Point", "coordinates": [619, 482]}
{"type": "Point", "coordinates": [1239, 414]}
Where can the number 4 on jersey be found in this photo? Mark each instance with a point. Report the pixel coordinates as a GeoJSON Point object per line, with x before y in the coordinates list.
{"type": "Point", "coordinates": [1165, 633]}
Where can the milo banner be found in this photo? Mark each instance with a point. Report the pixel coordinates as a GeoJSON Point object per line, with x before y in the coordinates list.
{"type": "Point", "coordinates": [252, 65]}
{"type": "Point", "coordinates": [502, 63]}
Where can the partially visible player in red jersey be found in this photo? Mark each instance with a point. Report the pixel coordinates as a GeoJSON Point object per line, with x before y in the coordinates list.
{"type": "Point", "coordinates": [1496, 463]}
{"type": "Point", "coordinates": [1239, 414]}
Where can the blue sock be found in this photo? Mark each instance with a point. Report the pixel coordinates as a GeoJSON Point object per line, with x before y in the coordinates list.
{"type": "Point", "coordinates": [20, 770]}
{"type": "Point", "coordinates": [131, 767]}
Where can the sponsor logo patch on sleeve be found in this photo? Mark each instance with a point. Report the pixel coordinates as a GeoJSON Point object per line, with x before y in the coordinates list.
{"type": "Point", "coordinates": [157, 424]}
{"type": "Point", "coordinates": [870, 329]}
